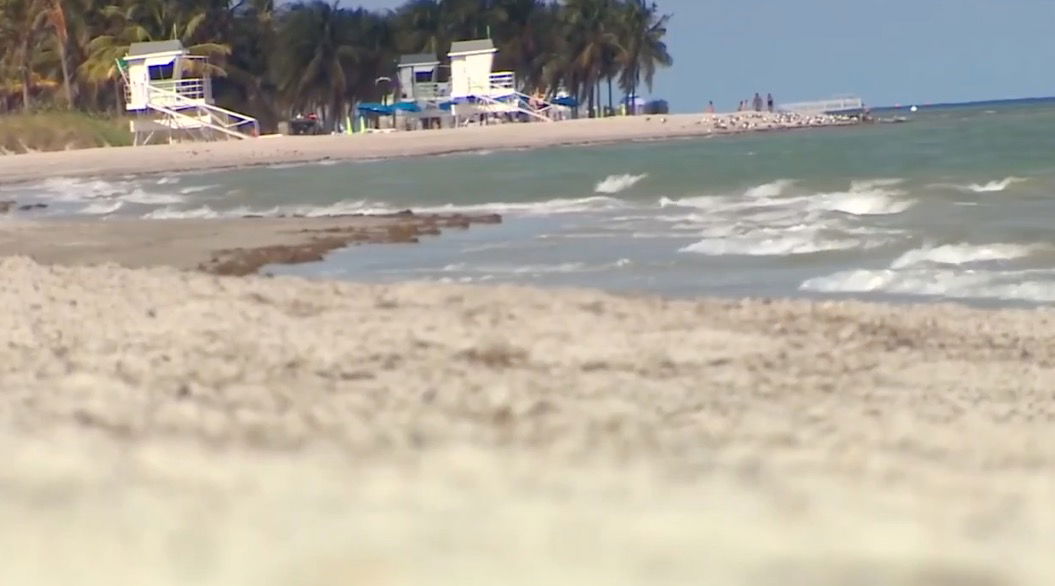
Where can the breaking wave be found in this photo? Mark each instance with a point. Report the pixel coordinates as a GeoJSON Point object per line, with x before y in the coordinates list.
{"type": "Point", "coordinates": [938, 271]}
{"type": "Point", "coordinates": [779, 242]}
{"type": "Point", "coordinates": [616, 183]}
{"type": "Point", "coordinates": [865, 198]}
{"type": "Point", "coordinates": [101, 208]}
{"type": "Point", "coordinates": [553, 206]}
{"type": "Point", "coordinates": [772, 189]}
{"type": "Point", "coordinates": [1031, 286]}
{"type": "Point", "coordinates": [994, 186]}
{"type": "Point", "coordinates": [959, 254]}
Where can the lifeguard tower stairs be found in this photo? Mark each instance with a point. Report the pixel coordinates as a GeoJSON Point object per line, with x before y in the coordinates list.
{"type": "Point", "coordinates": [171, 92]}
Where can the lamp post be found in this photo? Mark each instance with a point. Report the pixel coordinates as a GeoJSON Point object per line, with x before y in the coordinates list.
{"type": "Point", "coordinates": [384, 97]}
{"type": "Point", "coordinates": [378, 82]}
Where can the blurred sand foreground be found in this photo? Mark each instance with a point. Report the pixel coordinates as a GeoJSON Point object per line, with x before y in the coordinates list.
{"type": "Point", "coordinates": [160, 427]}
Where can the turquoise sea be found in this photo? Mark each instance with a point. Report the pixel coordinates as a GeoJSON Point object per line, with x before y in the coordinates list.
{"type": "Point", "coordinates": [956, 203]}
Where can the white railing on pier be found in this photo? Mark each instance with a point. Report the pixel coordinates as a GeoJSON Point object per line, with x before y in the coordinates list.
{"type": "Point", "coordinates": [834, 106]}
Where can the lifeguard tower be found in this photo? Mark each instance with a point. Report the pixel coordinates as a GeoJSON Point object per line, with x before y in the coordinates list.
{"type": "Point", "coordinates": [475, 89]}
{"type": "Point", "coordinates": [421, 93]}
{"type": "Point", "coordinates": [171, 92]}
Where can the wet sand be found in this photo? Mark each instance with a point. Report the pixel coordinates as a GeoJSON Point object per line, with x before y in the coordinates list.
{"type": "Point", "coordinates": [233, 246]}
{"type": "Point", "coordinates": [166, 427]}
{"type": "Point", "coordinates": [305, 149]}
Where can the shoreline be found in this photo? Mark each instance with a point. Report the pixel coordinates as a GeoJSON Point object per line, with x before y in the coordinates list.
{"type": "Point", "coordinates": [227, 246]}
{"type": "Point", "coordinates": [296, 150]}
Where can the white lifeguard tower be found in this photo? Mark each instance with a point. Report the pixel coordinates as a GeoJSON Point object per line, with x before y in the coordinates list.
{"type": "Point", "coordinates": [418, 75]}
{"type": "Point", "coordinates": [475, 89]}
{"type": "Point", "coordinates": [171, 91]}
{"type": "Point", "coordinates": [425, 97]}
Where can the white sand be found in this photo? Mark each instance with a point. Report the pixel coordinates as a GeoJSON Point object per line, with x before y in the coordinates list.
{"type": "Point", "coordinates": [303, 149]}
{"type": "Point", "coordinates": [159, 427]}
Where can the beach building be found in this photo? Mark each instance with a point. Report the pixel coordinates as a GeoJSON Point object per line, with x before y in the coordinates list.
{"type": "Point", "coordinates": [472, 94]}
{"type": "Point", "coordinates": [419, 85]}
{"type": "Point", "coordinates": [170, 91]}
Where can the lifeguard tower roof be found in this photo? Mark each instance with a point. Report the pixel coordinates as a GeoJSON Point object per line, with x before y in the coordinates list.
{"type": "Point", "coordinates": [469, 47]}
{"type": "Point", "coordinates": [154, 48]}
{"type": "Point", "coordinates": [418, 59]}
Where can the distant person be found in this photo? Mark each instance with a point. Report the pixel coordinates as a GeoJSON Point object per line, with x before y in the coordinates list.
{"type": "Point", "coordinates": [769, 102]}
{"type": "Point", "coordinates": [758, 102]}
{"type": "Point", "coordinates": [710, 107]}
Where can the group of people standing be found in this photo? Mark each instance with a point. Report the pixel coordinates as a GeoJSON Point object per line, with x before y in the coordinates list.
{"type": "Point", "coordinates": [757, 104]}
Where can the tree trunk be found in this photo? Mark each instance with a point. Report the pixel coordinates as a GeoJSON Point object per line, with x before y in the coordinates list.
{"type": "Point", "coordinates": [590, 113]}
{"type": "Point", "coordinates": [65, 74]}
{"type": "Point", "coordinates": [117, 97]}
{"type": "Point", "coordinates": [27, 77]}
{"type": "Point", "coordinates": [600, 98]}
{"type": "Point", "coordinates": [610, 105]}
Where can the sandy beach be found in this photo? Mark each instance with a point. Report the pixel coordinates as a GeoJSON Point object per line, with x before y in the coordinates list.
{"type": "Point", "coordinates": [307, 149]}
{"type": "Point", "coordinates": [166, 427]}
{"type": "Point", "coordinates": [163, 423]}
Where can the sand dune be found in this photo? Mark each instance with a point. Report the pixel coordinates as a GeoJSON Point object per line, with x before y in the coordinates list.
{"type": "Point", "coordinates": [162, 427]}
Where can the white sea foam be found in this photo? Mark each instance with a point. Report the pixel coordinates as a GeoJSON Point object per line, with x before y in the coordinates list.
{"type": "Point", "coordinates": [196, 189]}
{"type": "Point", "coordinates": [69, 189]}
{"type": "Point", "coordinates": [959, 254]}
{"type": "Point", "coordinates": [556, 206]}
{"type": "Point", "coordinates": [872, 184]}
{"type": "Point", "coordinates": [772, 189]}
{"type": "Point", "coordinates": [994, 186]}
{"type": "Point", "coordinates": [335, 209]}
{"type": "Point", "coordinates": [101, 208]}
{"type": "Point", "coordinates": [863, 199]}
{"type": "Point", "coordinates": [1033, 286]}
{"type": "Point", "coordinates": [617, 183]}
{"type": "Point", "coordinates": [142, 197]}
{"type": "Point", "coordinates": [778, 243]}
{"type": "Point", "coordinates": [553, 206]}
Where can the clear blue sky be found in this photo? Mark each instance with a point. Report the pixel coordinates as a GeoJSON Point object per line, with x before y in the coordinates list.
{"type": "Point", "coordinates": [893, 51]}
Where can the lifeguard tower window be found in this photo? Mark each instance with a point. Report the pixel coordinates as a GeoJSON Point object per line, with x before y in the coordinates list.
{"type": "Point", "coordinates": [423, 76]}
{"type": "Point", "coordinates": [159, 72]}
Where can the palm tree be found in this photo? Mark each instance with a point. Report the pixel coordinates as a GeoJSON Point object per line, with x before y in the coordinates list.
{"type": "Point", "coordinates": [19, 33]}
{"type": "Point", "coordinates": [52, 15]}
{"type": "Point", "coordinates": [317, 47]}
{"type": "Point", "coordinates": [522, 35]}
{"type": "Point", "coordinates": [134, 21]}
{"type": "Point", "coordinates": [317, 54]}
{"type": "Point", "coordinates": [642, 35]}
{"type": "Point", "coordinates": [594, 45]}
{"type": "Point", "coordinates": [250, 82]}
{"type": "Point", "coordinates": [419, 27]}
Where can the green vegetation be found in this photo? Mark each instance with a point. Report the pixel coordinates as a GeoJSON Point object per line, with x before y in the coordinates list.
{"type": "Point", "coordinates": [272, 60]}
{"type": "Point", "coordinates": [56, 131]}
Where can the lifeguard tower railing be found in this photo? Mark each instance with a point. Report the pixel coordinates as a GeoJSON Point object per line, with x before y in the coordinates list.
{"type": "Point", "coordinates": [186, 104]}
{"type": "Point", "coordinates": [500, 95]}
{"type": "Point", "coordinates": [832, 106]}
{"type": "Point", "coordinates": [432, 91]}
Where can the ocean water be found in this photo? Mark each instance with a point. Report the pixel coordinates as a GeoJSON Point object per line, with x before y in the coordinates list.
{"type": "Point", "coordinates": [958, 203]}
